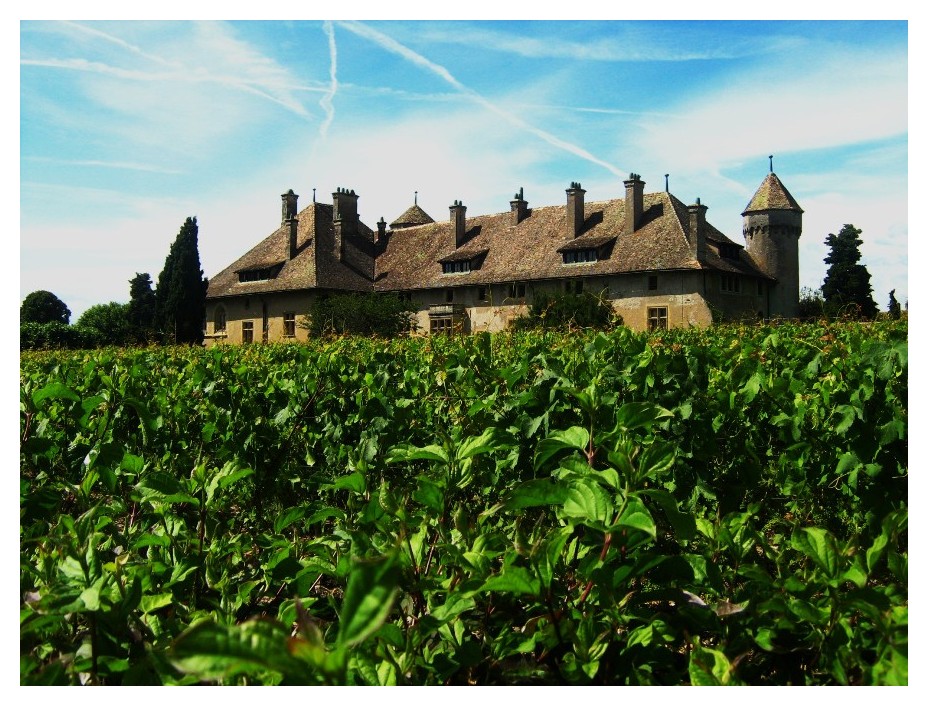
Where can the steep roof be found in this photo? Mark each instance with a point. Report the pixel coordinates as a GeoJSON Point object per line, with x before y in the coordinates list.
{"type": "Point", "coordinates": [314, 266]}
{"type": "Point", "coordinates": [412, 216]}
{"type": "Point", "coordinates": [772, 195]}
{"type": "Point", "coordinates": [411, 257]}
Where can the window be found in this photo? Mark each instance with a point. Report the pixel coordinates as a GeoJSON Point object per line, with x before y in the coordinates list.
{"type": "Point", "coordinates": [482, 294]}
{"type": "Point", "coordinates": [440, 324]}
{"type": "Point", "coordinates": [219, 320]}
{"type": "Point", "coordinates": [452, 268]}
{"type": "Point", "coordinates": [573, 286]}
{"type": "Point", "coordinates": [449, 295]}
{"type": "Point", "coordinates": [289, 324]}
{"type": "Point", "coordinates": [258, 275]}
{"type": "Point", "coordinates": [760, 287]}
{"type": "Point", "coordinates": [573, 257]}
{"type": "Point", "coordinates": [405, 296]}
{"type": "Point", "coordinates": [730, 283]}
{"type": "Point", "coordinates": [517, 290]}
{"type": "Point", "coordinates": [657, 317]}
{"type": "Point", "coordinates": [248, 331]}
{"type": "Point", "coordinates": [652, 281]}
{"type": "Point", "coordinates": [729, 251]}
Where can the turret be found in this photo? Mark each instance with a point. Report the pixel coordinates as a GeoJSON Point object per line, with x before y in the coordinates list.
{"type": "Point", "coordinates": [772, 226]}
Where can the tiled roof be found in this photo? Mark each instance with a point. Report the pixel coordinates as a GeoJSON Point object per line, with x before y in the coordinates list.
{"type": "Point", "coordinates": [772, 195]}
{"type": "Point", "coordinates": [530, 250]}
{"type": "Point", "coordinates": [412, 216]}
{"type": "Point", "coordinates": [411, 257]}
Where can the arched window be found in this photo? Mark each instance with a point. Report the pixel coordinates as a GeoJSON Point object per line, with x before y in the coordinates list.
{"type": "Point", "coordinates": [219, 320]}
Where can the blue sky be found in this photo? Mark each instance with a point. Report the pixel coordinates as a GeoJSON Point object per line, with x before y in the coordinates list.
{"type": "Point", "coordinates": [127, 128]}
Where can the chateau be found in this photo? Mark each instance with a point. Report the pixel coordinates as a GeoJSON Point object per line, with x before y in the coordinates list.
{"type": "Point", "coordinates": [657, 260]}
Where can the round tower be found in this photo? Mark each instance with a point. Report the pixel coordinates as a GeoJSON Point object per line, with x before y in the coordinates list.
{"type": "Point", "coordinates": [772, 226]}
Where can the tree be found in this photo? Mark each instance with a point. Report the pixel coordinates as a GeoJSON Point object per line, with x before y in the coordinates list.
{"type": "Point", "coordinates": [108, 324]}
{"type": "Point", "coordinates": [361, 314]}
{"type": "Point", "coordinates": [811, 303]}
{"type": "Point", "coordinates": [847, 283]}
{"type": "Point", "coordinates": [141, 307]}
{"type": "Point", "coordinates": [42, 307]}
{"type": "Point", "coordinates": [180, 300]}
{"type": "Point", "coordinates": [895, 311]}
{"type": "Point", "coordinates": [567, 311]}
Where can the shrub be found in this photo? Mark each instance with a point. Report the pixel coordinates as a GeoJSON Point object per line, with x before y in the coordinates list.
{"type": "Point", "coordinates": [362, 314]}
{"type": "Point", "coordinates": [566, 311]}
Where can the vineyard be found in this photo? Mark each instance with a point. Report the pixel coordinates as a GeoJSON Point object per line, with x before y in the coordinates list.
{"type": "Point", "coordinates": [710, 506]}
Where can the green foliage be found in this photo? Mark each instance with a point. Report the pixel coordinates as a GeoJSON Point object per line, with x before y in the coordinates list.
{"type": "Point", "coordinates": [108, 322]}
{"type": "Point", "coordinates": [142, 308]}
{"type": "Point", "coordinates": [721, 506]}
{"type": "Point", "coordinates": [846, 288]}
{"type": "Point", "coordinates": [895, 310]}
{"type": "Point", "coordinates": [42, 307]}
{"type": "Point", "coordinates": [568, 311]}
{"type": "Point", "coordinates": [180, 300]}
{"type": "Point", "coordinates": [383, 315]}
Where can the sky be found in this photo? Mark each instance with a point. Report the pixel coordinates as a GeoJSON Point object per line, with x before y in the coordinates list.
{"type": "Point", "coordinates": [129, 127]}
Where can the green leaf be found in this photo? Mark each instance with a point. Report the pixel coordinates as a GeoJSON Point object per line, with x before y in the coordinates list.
{"type": "Point", "coordinates": [213, 651]}
{"type": "Point", "coordinates": [576, 438]}
{"type": "Point", "coordinates": [151, 603]}
{"type": "Point", "coordinates": [818, 544]}
{"type": "Point", "coordinates": [684, 526]}
{"type": "Point", "coordinates": [586, 500]}
{"type": "Point", "coordinates": [403, 453]}
{"type": "Point", "coordinates": [708, 667]}
{"type": "Point", "coordinates": [288, 517]}
{"type": "Point", "coordinates": [514, 579]}
{"type": "Point", "coordinates": [636, 516]}
{"type": "Point", "coordinates": [640, 415]}
{"type": "Point", "coordinates": [369, 596]}
{"type": "Point", "coordinates": [355, 482]}
{"type": "Point", "coordinates": [475, 445]}
{"type": "Point", "coordinates": [536, 493]}
{"type": "Point", "coordinates": [55, 390]}
{"type": "Point", "coordinates": [656, 459]}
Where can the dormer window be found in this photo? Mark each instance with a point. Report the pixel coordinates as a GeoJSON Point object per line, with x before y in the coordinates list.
{"type": "Point", "coordinates": [729, 251]}
{"type": "Point", "coordinates": [574, 257]}
{"type": "Point", "coordinates": [454, 268]}
{"type": "Point", "coordinates": [259, 274]}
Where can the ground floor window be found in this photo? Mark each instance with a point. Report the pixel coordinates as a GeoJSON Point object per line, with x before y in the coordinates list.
{"type": "Point", "coordinates": [573, 286]}
{"type": "Point", "coordinates": [657, 317]}
{"type": "Point", "coordinates": [482, 295]}
{"type": "Point", "coordinates": [517, 290]}
{"type": "Point", "coordinates": [289, 324]}
{"type": "Point", "coordinates": [248, 331]}
{"type": "Point", "coordinates": [731, 283]}
{"type": "Point", "coordinates": [440, 324]}
{"type": "Point", "coordinates": [219, 320]}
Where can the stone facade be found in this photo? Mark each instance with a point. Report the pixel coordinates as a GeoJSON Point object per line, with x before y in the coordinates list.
{"type": "Point", "coordinates": [658, 261]}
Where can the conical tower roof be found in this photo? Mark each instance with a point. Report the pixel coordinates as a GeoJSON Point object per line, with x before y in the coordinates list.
{"type": "Point", "coordinates": [412, 216]}
{"type": "Point", "coordinates": [772, 195]}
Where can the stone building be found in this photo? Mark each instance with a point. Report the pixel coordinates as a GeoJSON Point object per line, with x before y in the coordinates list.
{"type": "Point", "coordinates": [657, 260]}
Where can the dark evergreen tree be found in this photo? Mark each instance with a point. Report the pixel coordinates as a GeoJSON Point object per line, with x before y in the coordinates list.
{"type": "Point", "coordinates": [43, 307]}
{"type": "Point", "coordinates": [847, 282]}
{"type": "Point", "coordinates": [895, 311]}
{"type": "Point", "coordinates": [141, 312]}
{"type": "Point", "coordinates": [180, 300]}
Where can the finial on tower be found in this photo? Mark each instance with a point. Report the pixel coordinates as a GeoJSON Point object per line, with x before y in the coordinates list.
{"type": "Point", "coordinates": [415, 198]}
{"type": "Point", "coordinates": [667, 183]}
{"type": "Point", "coordinates": [314, 195]}
{"type": "Point", "coordinates": [771, 164]}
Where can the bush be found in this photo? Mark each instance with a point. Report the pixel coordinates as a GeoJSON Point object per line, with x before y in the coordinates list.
{"type": "Point", "coordinates": [33, 336]}
{"type": "Point", "coordinates": [362, 314]}
{"type": "Point", "coordinates": [567, 311]}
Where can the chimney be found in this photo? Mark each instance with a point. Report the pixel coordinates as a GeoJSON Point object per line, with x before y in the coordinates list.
{"type": "Point", "coordinates": [696, 234]}
{"type": "Point", "coordinates": [519, 208]}
{"type": "Point", "coordinates": [575, 209]}
{"type": "Point", "coordinates": [634, 202]}
{"type": "Point", "coordinates": [381, 230]}
{"type": "Point", "coordinates": [345, 210]}
{"type": "Point", "coordinates": [457, 220]}
{"type": "Point", "coordinates": [288, 206]}
{"type": "Point", "coordinates": [291, 239]}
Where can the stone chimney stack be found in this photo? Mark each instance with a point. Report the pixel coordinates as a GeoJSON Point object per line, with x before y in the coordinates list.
{"type": "Point", "coordinates": [457, 221]}
{"type": "Point", "coordinates": [288, 206]}
{"type": "Point", "coordinates": [292, 222]}
{"type": "Point", "coordinates": [634, 202]}
{"type": "Point", "coordinates": [575, 217]}
{"type": "Point", "coordinates": [519, 207]}
{"type": "Point", "coordinates": [345, 210]}
{"type": "Point", "coordinates": [696, 233]}
{"type": "Point", "coordinates": [381, 230]}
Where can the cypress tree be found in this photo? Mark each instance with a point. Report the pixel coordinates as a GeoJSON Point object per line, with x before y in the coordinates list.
{"type": "Point", "coordinates": [141, 312]}
{"type": "Point", "coordinates": [847, 282]}
{"type": "Point", "coordinates": [180, 299]}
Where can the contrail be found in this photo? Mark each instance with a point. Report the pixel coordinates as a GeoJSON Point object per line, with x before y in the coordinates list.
{"type": "Point", "coordinates": [392, 45]}
{"type": "Point", "coordinates": [326, 101]}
